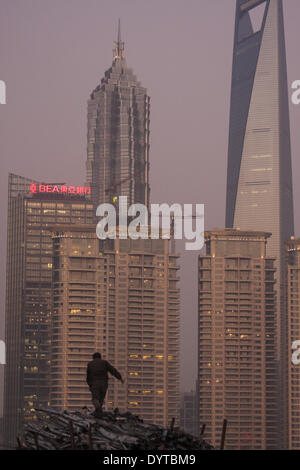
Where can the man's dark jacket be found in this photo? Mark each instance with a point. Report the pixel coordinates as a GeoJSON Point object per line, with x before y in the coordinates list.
{"type": "Point", "coordinates": [97, 371]}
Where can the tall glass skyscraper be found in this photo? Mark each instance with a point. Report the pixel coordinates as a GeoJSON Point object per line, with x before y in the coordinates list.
{"type": "Point", "coordinates": [259, 175]}
{"type": "Point", "coordinates": [118, 135]}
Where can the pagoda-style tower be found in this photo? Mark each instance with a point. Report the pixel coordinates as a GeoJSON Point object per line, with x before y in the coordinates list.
{"type": "Point", "coordinates": [118, 135]}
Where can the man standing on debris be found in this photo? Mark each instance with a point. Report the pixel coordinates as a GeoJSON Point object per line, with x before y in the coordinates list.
{"type": "Point", "coordinates": [97, 380]}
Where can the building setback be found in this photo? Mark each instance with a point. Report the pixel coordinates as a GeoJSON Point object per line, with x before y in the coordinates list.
{"type": "Point", "coordinates": [119, 297]}
{"type": "Point", "coordinates": [118, 135]}
{"type": "Point", "coordinates": [236, 343]}
{"type": "Point", "coordinates": [28, 292]}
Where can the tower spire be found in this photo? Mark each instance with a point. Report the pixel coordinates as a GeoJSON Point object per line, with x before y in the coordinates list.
{"type": "Point", "coordinates": [119, 51]}
{"type": "Point", "coordinates": [119, 31]}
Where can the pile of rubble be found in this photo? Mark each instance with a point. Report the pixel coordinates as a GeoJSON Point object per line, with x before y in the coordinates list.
{"type": "Point", "coordinates": [113, 431]}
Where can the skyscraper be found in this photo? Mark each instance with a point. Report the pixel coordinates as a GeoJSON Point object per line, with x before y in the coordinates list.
{"type": "Point", "coordinates": [120, 297]}
{"type": "Point", "coordinates": [32, 209]}
{"type": "Point", "coordinates": [291, 377]}
{"type": "Point", "coordinates": [259, 174]}
{"type": "Point", "coordinates": [237, 340]}
{"type": "Point", "coordinates": [118, 135]}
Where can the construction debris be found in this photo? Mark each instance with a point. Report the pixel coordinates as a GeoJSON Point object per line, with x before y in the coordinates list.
{"type": "Point", "coordinates": [54, 430]}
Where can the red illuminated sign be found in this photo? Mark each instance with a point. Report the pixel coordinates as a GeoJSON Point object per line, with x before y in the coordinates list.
{"type": "Point", "coordinates": [58, 189]}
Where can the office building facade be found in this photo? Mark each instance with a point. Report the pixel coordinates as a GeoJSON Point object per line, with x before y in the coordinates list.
{"type": "Point", "coordinates": [33, 209]}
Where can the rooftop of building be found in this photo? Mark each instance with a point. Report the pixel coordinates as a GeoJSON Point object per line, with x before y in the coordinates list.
{"type": "Point", "coordinates": [230, 232]}
{"type": "Point", "coordinates": [119, 72]}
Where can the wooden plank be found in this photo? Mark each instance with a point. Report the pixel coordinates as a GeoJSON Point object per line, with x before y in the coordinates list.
{"type": "Point", "coordinates": [72, 434]}
{"type": "Point", "coordinates": [36, 441]}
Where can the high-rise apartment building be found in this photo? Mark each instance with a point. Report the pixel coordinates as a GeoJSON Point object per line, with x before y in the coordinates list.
{"type": "Point", "coordinates": [259, 174]}
{"type": "Point", "coordinates": [291, 377]}
{"type": "Point", "coordinates": [119, 297]}
{"type": "Point", "coordinates": [237, 340]}
{"type": "Point", "coordinates": [118, 135]}
{"type": "Point", "coordinates": [32, 209]}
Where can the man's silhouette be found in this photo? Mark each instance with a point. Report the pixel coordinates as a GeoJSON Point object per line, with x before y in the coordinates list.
{"type": "Point", "coordinates": [97, 380]}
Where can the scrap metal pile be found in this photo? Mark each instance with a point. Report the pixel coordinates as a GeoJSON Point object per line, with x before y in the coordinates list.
{"type": "Point", "coordinates": [113, 431]}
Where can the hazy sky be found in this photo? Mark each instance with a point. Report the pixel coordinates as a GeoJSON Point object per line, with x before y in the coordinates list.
{"type": "Point", "coordinates": [54, 52]}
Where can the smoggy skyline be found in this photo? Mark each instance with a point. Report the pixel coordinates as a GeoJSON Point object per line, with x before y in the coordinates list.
{"type": "Point", "coordinates": [53, 54]}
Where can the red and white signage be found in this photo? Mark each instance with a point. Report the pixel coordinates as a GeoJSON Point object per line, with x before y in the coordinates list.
{"type": "Point", "coordinates": [58, 189]}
